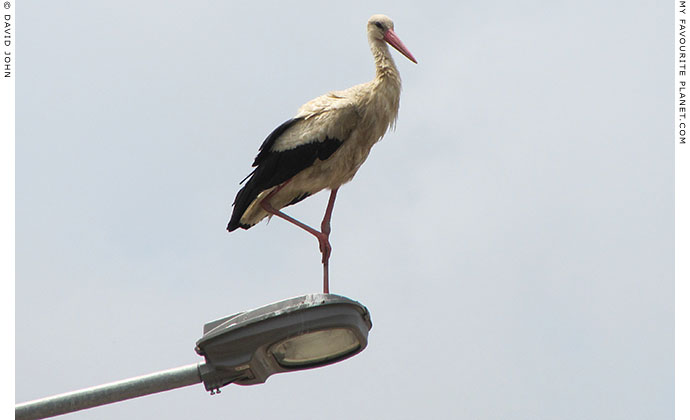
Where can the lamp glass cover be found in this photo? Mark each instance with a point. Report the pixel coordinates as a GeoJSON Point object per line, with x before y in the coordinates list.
{"type": "Point", "coordinates": [315, 347]}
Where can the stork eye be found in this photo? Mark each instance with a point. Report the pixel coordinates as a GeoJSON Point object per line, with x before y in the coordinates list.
{"type": "Point", "coordinates": [379, 25]}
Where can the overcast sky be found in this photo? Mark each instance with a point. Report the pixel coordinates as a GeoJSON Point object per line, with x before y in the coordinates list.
{"type": "Point", "coordinates": [513, 238]}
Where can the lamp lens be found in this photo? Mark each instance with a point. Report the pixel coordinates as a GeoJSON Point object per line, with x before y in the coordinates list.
{"type": "Point", "coordinates": [315, 347]}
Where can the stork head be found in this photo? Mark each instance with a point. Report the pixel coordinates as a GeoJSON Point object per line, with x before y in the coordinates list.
{"type": "Point", "coordinates": [380, 28]}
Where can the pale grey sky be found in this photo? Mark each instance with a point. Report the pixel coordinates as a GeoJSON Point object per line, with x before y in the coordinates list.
{"type": "Point", "coordinates": [513, 238]}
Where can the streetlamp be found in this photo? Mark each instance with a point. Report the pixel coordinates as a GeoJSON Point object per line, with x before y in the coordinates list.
{"type": "Point", "coordinates": [294, 334]}
{"type": "Point", "coordinates": [245, 348]}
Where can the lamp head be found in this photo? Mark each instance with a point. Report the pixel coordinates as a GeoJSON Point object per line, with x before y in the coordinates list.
{"type": "Point", "coordinates": [295, 334]}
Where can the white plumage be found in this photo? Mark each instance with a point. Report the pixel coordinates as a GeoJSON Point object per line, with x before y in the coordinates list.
{"type": "Point", "coordinates": [324, 145]}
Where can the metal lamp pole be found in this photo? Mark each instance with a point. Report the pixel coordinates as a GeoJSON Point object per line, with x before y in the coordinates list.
{"type": "Point", "coordinates": [109, 393]}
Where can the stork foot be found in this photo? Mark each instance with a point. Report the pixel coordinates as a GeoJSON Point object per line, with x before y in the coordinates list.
{"type": "Point", "coordinates": [324, 246]}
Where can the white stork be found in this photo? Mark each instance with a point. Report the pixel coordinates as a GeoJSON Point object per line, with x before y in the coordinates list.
{"type": "Point", "coordinates": [324, 145]}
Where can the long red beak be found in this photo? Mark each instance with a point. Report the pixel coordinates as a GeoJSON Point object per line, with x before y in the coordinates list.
{"type": "Point", "coordinates": [396, 43]}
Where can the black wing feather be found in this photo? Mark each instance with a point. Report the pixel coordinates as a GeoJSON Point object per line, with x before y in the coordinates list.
{"type": "Point", "coordinates": [274, 168]}
{"type": "Point", "coordinates": [266, 146]}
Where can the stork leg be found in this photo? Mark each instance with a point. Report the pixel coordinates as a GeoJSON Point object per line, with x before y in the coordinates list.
{"type": "Point", "coordinates": [326, 230]}
{"type": "Point", "coordinates": [322, 237]}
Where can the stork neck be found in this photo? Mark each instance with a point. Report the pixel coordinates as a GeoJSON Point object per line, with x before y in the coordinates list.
{"type": "Point", "coordinates": [386, 71]}
{"type": "Point", "coordinates": [384, 95]}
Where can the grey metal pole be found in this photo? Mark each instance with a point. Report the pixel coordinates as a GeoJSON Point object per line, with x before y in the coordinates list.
{"type": "Point", "coordinates": [109, 393]}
